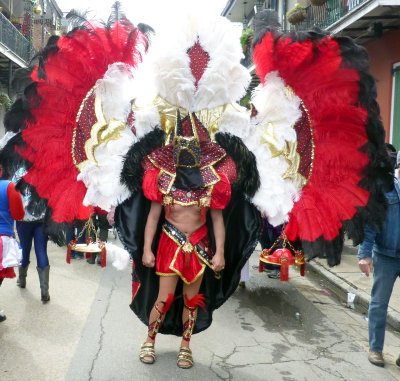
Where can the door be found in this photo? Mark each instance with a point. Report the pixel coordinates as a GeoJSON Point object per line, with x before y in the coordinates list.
{"type": "Point", "coordinates": [395, 125]}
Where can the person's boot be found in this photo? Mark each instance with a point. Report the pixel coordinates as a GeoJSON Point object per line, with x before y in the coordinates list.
{"type": "Point", "coordinates": [2, 316]}
{"type": "Point", "coordinates": [44, 283]}
{"type": "Point", "coordinates": [22, 272]}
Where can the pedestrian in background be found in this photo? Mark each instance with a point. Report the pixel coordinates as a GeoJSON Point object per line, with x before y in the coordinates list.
{"type": "Point", "coordinates": [380, 253]}
{"type": "Point", "coordinates": [11, 208]}
{"type": "Point", "coordinates": [30, 229]}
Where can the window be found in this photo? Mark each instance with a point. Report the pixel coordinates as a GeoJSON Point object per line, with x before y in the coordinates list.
{"type": "Point", "coordinates": [395, 125]}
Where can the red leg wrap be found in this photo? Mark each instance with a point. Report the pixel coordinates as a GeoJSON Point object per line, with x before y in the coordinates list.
{"type": "Point", "coordinates": [155, 325]}
{"type": "Point", "coordinates": [191, 305]}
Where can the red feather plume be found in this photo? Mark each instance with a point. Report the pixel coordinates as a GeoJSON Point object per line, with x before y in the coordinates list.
{"type": "Point", "coordinates": [329, 88]}
{"type": "Point", "coordinates": [70, 72]}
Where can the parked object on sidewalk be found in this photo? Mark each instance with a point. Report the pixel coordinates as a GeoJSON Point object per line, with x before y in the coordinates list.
{"type": "Point", "coordinates": [380, 254]}
{"type": "Point", "coordinates": [350, 300]}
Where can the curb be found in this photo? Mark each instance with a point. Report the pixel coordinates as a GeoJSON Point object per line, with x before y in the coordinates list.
{"type": "Point", "coordinates": [341, 288]}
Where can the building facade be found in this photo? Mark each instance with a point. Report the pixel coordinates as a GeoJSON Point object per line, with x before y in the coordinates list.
{"type": "Point", "coordinates": [25, 26]}
{"type": "Point", "coordinates": [374, 24]}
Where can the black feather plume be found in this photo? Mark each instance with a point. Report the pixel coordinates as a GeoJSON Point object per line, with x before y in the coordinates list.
{"type": "Point", "coordinates": [132, 171]}
{"type": "Point", "coordinates": [248, 178]}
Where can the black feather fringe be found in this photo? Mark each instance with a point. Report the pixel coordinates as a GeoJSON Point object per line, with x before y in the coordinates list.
{"type": "Point", "coordinates": [132, 171]}
{"type": "Point", "coordinates": [10, 160]}
{"type": "Point", "coordinates": [378, 173]}
{"type": "Point", "coordinates": [248, 178]}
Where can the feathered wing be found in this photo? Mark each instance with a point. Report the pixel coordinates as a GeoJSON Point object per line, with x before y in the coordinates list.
{"type": "Point", "coordinates": [72, 90]}
{"type": "Point", "coordinates": [318, 129]}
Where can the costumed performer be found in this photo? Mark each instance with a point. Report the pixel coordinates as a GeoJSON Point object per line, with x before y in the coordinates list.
{"type": "Point", "coordinates": [276, 158]}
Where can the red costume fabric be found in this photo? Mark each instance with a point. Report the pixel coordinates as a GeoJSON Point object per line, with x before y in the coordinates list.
{"type": "Point", "coordinates": [15, 203]}
{"type": "Point", "coordinates": [220, 193]}
{"type": "Point", "coordinates": [179, 255]}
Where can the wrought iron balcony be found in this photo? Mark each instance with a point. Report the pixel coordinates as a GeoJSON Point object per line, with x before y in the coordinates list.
{"type": "Point", "coordinates": [325, 15]}
{"type": "Point", "coordinates": [14, 40]}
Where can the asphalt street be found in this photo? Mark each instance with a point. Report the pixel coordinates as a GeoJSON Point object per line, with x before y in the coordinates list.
{"type": "Point", "coordinates": [270, 330]}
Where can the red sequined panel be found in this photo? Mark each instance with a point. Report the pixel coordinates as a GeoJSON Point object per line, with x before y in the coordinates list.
{"type": "Point", "coordinates": [164, 181]}
{"type": "Point", "coordinates": [208, 175]}
{"type": "Point", "coordinates": [201, 130]}
{"type": "Point", "coordinates": [131, 122]}
{"type": "Point", "coordinates": [86, 120]}
{"type": "Point", "coordinates": [305, 147]}
{"type": "Point", "coordinates": [164, 157]}
{"type": "Point", "coordinates": [199, 60]}
{"type": "Point", "coordinates": [228, 167]}
{"type": "Point", "coordinates": [188, 196]}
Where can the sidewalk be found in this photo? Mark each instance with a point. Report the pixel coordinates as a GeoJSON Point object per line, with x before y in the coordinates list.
{"type": "Point", "coordinates": [347, 278]}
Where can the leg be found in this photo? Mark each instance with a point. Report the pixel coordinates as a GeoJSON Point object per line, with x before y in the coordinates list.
{"type": "Point", "coordinates": [25, 234]}
{"type": "Point", "coordinates": [40, 242]}
{"type": "Point", "coordinates": [43, 268]}
{"type": "Point", "coordinates": [103, 227]}
{"type": "Point", "coordinates": [157, 315]}
{"type": "Point", "coordinates": [386, 271]}
{"type": "Point", "coordinates": [189, 315]}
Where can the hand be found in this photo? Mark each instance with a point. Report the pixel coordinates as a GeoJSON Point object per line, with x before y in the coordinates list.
{"type": "Point", "coordinates": [218, 262]}
{"type": "Point", "coordinates": [148, 258]}
{"type": "Point", "coordinates": [110, 216]}
{"type": "Point", "coordinates": [366, 266]}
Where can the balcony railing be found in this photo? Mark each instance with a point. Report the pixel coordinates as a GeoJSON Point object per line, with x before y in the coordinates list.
{"type": "Point", "coordinates": [324, 16]}
{"type": "Point", "coordinates": [14, 40]}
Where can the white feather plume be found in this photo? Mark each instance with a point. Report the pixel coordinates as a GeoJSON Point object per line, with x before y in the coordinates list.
{"type": "Point", "coordinates": [276, 195]}
{"type": "Point", "coordinates": [117, 255]}
{"type": "Point", "coordinates": [116, 90]}
{"type": "Point", "coordinates": [104, 188]}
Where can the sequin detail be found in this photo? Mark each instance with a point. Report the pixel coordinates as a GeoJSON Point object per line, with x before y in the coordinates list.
{"type": "Point", "coordinates": [87, 118]}
{"type": "Point", "coordinates": [199, 60]}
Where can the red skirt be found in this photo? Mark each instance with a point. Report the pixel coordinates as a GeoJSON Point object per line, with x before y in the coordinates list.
{"type": "Point", "coordinates": [181, 255]}
{"type": "Point", "coordinates": [8, 272]}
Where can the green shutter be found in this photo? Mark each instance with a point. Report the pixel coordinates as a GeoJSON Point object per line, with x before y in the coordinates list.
{"type": "Point", "coordinates": [396, 109]}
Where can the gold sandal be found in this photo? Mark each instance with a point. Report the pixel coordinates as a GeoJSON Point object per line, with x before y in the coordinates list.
{"type": "Point", "coordinates": [147, 350]}
{"type": "Point", "coordinates": [185, 354]}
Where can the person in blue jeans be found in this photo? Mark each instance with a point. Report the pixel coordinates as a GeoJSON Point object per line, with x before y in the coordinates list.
{"type": "Point", "coordinates": [380, 253]}
{"type": "Point", "coordinates": [29, 230]}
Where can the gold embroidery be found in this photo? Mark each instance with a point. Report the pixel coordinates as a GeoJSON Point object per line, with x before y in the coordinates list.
{"type": "Point", "coordinates": [167, 200]}
{"type": "Point", "coordinates": [289, 152]}
{"type": "Point", "coordinates": [101, 132]}
{"type": "Point", "coordinates": [209, 118]}
{"type": "Point", "coordinates": [187, 247]}
{"type": "Point", "coordinates": [171, 266]}
{"type": "Point", "coordinates": [205, 202]}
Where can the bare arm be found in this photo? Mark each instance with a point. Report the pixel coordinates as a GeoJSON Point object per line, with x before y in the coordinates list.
{"type": "Point", "coordinates": [218, 260]}
{"type": "Point", "coordinates": [148, 258]}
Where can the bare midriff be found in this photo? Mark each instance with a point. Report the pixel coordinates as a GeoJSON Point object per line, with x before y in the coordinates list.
{"type": "Point", "coordinates": [186, 219]}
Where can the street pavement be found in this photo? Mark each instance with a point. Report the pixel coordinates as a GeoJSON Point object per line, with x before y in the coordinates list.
{"type": "Point", "coordinates": [270, 330]}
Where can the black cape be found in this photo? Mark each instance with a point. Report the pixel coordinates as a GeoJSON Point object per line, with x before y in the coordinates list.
{"type": "Point", "coordinates": [243, 225]}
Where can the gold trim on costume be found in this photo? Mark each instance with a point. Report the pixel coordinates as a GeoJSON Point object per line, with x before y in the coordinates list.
{"type": "Point", "coordinates": [289, 152]}
{"type": "Point", "coordinates": [209, 118]}
{"type": "Point", "coordinates": [176, 271]}
{"type": "Point", "coordinates": [101, 132]}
